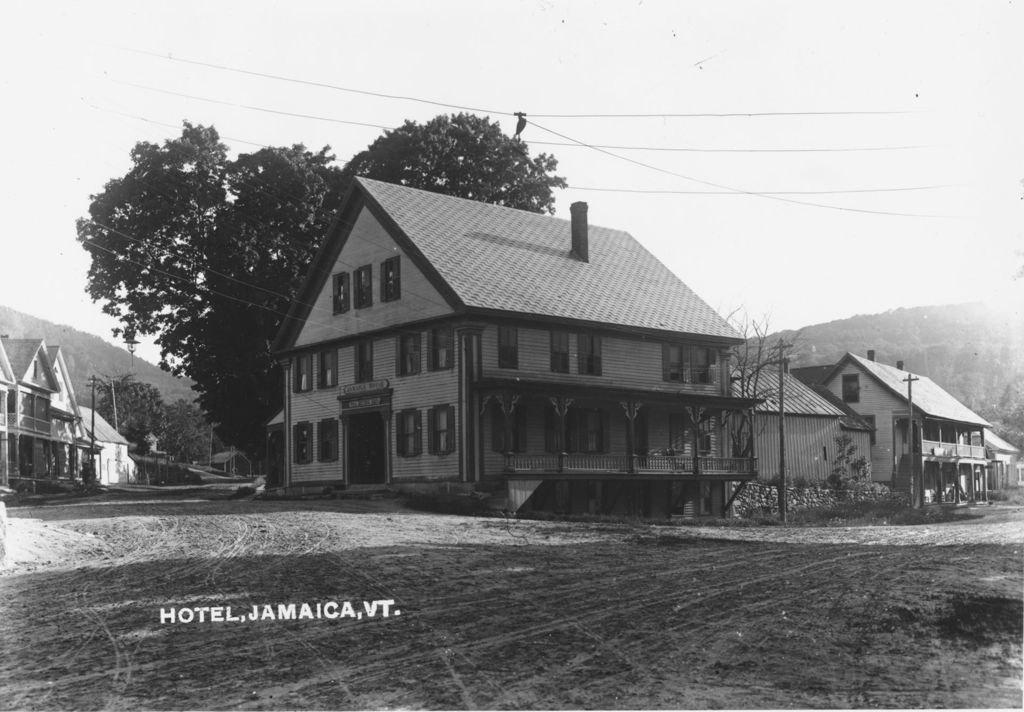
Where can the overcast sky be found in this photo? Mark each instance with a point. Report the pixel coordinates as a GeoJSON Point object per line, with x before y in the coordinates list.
{"type": "Point", "coordinates": [872, 158]}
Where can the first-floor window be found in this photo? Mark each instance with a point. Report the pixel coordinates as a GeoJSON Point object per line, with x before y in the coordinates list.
{"type": "Point", "coordinates": [328, 440]}
{"type": "Point", "coordinates": [586, 430]}
{"type": "Point", "coordinates": [410, 439]}
{"type": "Point", "coordinates": [442, 429]}
{"type": "Point", "coordinates": [303, 445]}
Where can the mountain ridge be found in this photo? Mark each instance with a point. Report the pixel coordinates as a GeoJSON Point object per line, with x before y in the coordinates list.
{"type": "Point", "coordinates": [87, 354]}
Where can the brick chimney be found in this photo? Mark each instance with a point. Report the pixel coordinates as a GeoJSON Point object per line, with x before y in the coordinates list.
{"type": "Point", "coordinates": [899, 365]}
{"type": "Point", "coordinates": [871, 354]}
{"type": "Point", "coordinates": [580, 230]}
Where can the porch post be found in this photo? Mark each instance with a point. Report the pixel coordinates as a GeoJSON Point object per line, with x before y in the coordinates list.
{"type": "Point", "coordinates": [631, 408]}
{"type": "Point", "coordinates": [508, 401]}
{"type": "Point", "coordinates": [970, 484]}
{"type": "Point", "coordinates": [561, 405]}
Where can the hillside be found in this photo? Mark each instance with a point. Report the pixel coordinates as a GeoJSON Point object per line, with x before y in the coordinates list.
{"type": "Point", "coordinates": [87, 354]}
{"type": "Point", "coordinates": [973, 352]}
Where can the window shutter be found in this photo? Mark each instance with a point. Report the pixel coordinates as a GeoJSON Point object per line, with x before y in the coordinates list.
{"type": "Point", "coordinates": [497, 429]}
{"type": "Point", "coordinates": [451, 428]}
{"type": "Point", "coordinates": [433, 448]}
{"type": "Point", "coordinates": [402, 450]}
{"type": "Point", "coordinates": [418, 444]}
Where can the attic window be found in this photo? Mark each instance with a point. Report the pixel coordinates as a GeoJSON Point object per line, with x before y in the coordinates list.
{"type": "Point", "coordinates": [341, 291]}
{"type": "Point", "coordinates": [851, 388]}
{"type": "Point", "coordinates": [364, 287]}
{"type": "Point", "coordinates": [390, 280]}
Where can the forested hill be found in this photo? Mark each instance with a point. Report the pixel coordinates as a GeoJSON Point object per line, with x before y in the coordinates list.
{"type": "Point", "coordinates": [86, 355]}
{"type": "Point", "coordinates": [975, 353]}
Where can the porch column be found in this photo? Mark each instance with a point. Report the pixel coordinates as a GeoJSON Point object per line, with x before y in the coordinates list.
{"type": "Point", "coordinates": [696, 415]}
{"type": "Point", "coordinates": [508, 401]}
{"type": "Point", "coordinates": [631, 409]}
{"type": "Point", "coordinates": [561, 405]}
{"type": "Point", "coordinates": [386, 416]}
{"type": "Point", "coordinates": [970, 483]}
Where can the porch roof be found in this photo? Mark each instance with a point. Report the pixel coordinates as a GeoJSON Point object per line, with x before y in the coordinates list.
{"type": "Point", "coordinates": [673, 396]}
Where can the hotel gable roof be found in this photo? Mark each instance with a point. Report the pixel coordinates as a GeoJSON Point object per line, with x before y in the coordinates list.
{"type": "Point", "coordinates": [488, 260]}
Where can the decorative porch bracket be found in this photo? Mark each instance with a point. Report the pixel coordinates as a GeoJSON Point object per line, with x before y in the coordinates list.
{"type": "Point", "coordinates": [632, 409]}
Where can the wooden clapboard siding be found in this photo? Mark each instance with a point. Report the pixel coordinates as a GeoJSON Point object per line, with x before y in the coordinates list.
{"type": "Point", "coordinates": [421, 391]}
{"type": "Point", "coordinates": [878, 401]}
{"type": "Point", "coordinates": [313, 406]}
{"type": "Point", "coordinates": [370, 244]}
{"type": "Point", "coordinates": [625, 362]}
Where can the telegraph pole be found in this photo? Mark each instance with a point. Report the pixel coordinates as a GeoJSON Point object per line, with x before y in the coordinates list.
{"type": "Point", "coordinates": [915, 484]}
{"type": "Point", "coordinates": [783, 362]}
{"type": "Point", "coordinates": [92, 432]}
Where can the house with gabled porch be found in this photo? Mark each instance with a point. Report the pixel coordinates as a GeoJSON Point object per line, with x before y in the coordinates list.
{"type": "Point", "coordinates": [944, 448]}
{"type": "Point", "coordinates": [444, 342]}
{"type": "Point", "coordinates": [41, 420]}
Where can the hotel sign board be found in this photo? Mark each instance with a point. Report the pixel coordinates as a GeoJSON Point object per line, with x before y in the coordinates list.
{"type": "Point", "coordinates": [365, 397]}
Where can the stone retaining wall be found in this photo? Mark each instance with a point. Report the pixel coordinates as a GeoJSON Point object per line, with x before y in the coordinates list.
{"type": "Point", "coordinates": [759, 499]}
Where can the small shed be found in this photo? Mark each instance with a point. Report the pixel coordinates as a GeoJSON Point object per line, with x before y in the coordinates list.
{"type": "Point", "coordinates": [232, 462]}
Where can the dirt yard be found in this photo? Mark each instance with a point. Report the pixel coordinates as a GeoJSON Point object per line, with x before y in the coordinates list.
{"type": "Point", "coordinates": [494, 614]}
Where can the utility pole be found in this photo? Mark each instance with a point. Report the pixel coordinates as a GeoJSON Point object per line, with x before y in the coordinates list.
{"type": "Point", "coordinates": [783, 362]}
{"type": "Point", "coordinates": [113, 399]}
{"type": "Point", "coordinates": [915, 485]}
{"type": "Point", "coordinates": [92, 432]}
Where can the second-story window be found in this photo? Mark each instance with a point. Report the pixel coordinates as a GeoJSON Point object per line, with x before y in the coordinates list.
{"type": "Point", "coordinates": [328, 369]}
{"type": "Point", "coordinates": [408, 354]}
{"type": "Point", "coordinates": [441, 348]}
{"type": "Point", "coordinates": [590, 354]}
{"type": "Point", "coordinates": [560, 352]}
{"type": "Point", "coordinates": [508, 347]}
{"type": "Point", "coordinates": [672, 362]}
{"type": "Point", "coordinates": [303, 372]}
{"type": "Point", "coordinates": [689, 364]}
{"type": "Point", "coordinates": [364, 287]}
{"type": "Point", "coordinates": [340, 293]}
{"type": "Point", "coordinates": [851, 387]}
{"type": "Point", "coordinates": [390, 280]}
{"type": "Point", "coordinates": [364, 361]}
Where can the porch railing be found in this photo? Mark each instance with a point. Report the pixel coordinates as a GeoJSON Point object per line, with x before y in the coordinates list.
{"type": "Point", "coordinates": [587, 462]}
{"type": "Point", "coordinates": [941, 449]}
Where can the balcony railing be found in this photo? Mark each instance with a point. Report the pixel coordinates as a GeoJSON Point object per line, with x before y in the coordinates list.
{"type": "Point", "coordinates": [27, 422]}
{"type": "Point", "coordinates": [643, 464]}
{"type": "Point", "coordinates": [941, 449]}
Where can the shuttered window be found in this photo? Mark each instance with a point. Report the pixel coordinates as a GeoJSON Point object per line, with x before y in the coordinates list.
{"type": "Point", "coordinates": [410, 433]}
{"type": "Point", "coordinates": [328, 440]}
{"type": "Point", "coordinates": [589, 354]}
{"type": "Point", "coordinates": [442, 429]}
{"type": "Point", "coordinates": [341, 293]}
{"type": "Point", "coordinates": [302, 447]}
{"type": "Point", "coordinates": [559, 352]}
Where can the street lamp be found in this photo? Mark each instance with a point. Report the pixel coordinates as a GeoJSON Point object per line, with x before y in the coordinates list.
{"type": "Point", "coordinates": [131, 343]}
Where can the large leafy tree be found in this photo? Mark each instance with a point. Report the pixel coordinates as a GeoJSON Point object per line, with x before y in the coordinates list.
{"type": "Point", "coordinates": [463, 155]}
{"type": "Point", "coordinates": [204, 251]}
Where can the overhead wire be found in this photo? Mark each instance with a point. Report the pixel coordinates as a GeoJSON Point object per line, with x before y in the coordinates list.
{"type": "Point", "coordinates": [722, 186]}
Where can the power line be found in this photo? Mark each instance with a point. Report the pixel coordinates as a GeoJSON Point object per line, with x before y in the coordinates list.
{"type": "Point", "coordinates": [764, 192]}
{"type": "Point", "coordinates": [722, 186]}
{"type": "Point", "coordinates": [250, 107]}
{"type": "Point", "coordinates": [460, 107]}
{"type": "Point", "coordinates": [731, 150]}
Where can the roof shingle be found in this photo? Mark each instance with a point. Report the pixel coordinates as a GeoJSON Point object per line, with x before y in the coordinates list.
{"type": "Point", "coordinates": [505, 259]}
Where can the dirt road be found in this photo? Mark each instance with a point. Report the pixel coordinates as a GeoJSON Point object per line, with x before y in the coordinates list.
{"type": "Point", "coordinates": [497, 614]}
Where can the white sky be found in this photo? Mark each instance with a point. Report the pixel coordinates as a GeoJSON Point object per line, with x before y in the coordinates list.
{"type": "Point", "coordinates": [71, 118]}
